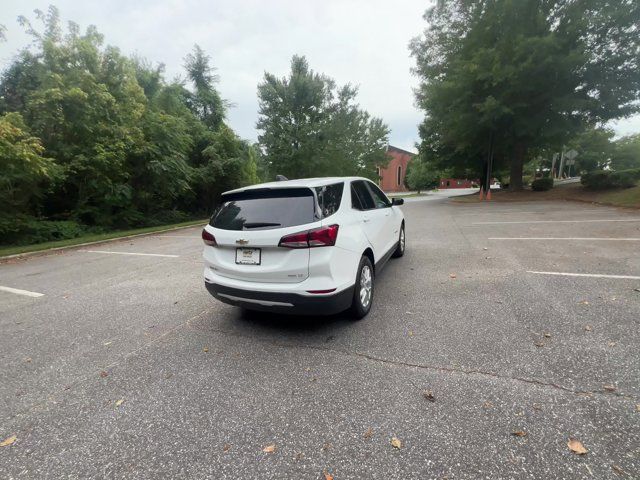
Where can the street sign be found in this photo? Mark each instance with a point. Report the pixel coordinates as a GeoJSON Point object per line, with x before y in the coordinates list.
{"type": "Point", "coordinates": [571, 154]}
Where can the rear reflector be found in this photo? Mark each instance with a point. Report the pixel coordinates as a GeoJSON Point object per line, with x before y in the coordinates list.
{"type": "Point", "coordinates": [322, 291]}
{"type": "Point", "coordinates": [318, 237]}
{"type": "Point", "coordinates": [208, 239]}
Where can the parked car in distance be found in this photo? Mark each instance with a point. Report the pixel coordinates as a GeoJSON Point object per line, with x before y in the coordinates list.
{"type": "Point", "coordinates": [308, 246]}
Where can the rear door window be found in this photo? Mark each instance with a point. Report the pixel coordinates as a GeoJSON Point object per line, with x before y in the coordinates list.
{"type": "Point", "coordinates": [365, 199]}
{"type": "Point", "coordinates": [379, 198]}
{"type": "Point", "coordinates": [263, 209]}
{"type": "Point", "coordinates": [329, 198]}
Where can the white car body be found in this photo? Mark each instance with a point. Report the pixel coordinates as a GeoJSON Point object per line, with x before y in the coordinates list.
{"type": "Point", "coordinates": [316, 279]}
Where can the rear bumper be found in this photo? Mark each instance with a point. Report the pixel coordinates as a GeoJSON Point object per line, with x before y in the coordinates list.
{"type": "Point", "coordinates": [282, 302]}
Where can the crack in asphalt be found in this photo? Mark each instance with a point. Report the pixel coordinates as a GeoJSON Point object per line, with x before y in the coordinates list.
{"type": "Point", "coordinates": [441, 369]}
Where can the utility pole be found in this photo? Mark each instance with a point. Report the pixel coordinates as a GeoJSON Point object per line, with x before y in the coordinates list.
{"type": "Point", "coordinates": [489, 167]}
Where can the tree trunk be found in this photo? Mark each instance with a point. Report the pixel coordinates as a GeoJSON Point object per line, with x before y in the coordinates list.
{"type": "Point", "coordinates": [517, 163]}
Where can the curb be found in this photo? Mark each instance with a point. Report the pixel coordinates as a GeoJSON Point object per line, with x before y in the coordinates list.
{"type": "Point", "coordinates": [37, 253]}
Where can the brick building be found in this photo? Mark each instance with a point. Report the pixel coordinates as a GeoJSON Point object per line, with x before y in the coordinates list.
{"type": "Point", "coordinates": [391, 177]}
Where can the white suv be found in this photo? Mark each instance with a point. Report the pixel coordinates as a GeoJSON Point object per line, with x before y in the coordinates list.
{"type": "Point", "coordinates": [309, 246]}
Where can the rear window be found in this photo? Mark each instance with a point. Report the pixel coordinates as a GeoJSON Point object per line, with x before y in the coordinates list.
{"type": "Point", "coordinates": [263, 209]}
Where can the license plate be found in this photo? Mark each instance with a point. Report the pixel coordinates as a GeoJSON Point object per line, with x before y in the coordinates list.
{"type": "Point", "coordinates": [248, 256]}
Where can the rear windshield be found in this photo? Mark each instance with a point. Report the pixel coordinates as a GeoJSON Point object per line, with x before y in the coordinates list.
{"type": "Point", "coordinates": [263, 209]}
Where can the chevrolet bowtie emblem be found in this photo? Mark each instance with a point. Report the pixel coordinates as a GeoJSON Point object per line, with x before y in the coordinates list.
{"type": "Point", "coordinates": [242, 241]}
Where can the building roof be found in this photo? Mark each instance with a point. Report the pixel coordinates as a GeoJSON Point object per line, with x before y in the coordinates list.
{"type": "Point", "coordinates": [300, 182]}
{"type": "Point", "coordinates": [391, 147]}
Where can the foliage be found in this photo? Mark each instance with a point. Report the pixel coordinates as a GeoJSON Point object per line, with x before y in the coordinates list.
{"type": "Point", "coordinates": [542, 184]}
{"type": "Point", "coordinates": [627, 153]}
{"type": "Point", "coordinates": [422, 175]}
{"type": "Point", "coordinates": [605, 179]}
{"type": "Point", "coordinates": [311, 127]}
{"type": "Point", "coordinates": [522, 75]}
{"type": "Point", "coordinates": [94, 138]}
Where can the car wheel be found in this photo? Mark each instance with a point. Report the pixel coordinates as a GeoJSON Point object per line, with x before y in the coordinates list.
{"type": "Point", "coordinates": [363, 292]}
{"type": "Point", "coordinates": [401, 244]}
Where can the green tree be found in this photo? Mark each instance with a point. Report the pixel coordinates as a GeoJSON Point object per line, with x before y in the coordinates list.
{"type": "Point", "coordinates": [595, 149]}
{"type": "Point", "coordinates": [423, 175]}
{"type": "Point", "coordinates": [310, 127]}
{"type": "Point", "coordinates": [205, 102]}
{"type": "Point", "coordinates": [121, 146]}
{"type": "Point", "coordinates": [522, 75]}
{"type": "Point", "coordinates": [627, 152]}
{"type": "Point", "coordinates": [26, 173]}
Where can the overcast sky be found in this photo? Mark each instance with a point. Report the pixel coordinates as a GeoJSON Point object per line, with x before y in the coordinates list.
{"type": "Point", "coordinates": [359, 41]}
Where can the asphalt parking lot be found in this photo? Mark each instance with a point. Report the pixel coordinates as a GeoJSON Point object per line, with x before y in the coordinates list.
{"type": "Point", "coordinates": [125, 367]}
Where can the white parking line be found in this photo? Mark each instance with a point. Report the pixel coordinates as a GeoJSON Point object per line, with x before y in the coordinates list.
{"type": "Point", "coordinates": [131, 253]}
{"type": "Point", "coordinates": [561, 221]}
{"type": "Point", "coordinates": [17, 291]}
{"type": "Point", "coordinates": [594, 275]}
{"type": "Point", "coordinates": [595, 239]}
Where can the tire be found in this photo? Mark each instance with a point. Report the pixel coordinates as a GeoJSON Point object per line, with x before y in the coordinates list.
{"type": "Point", "coordinates": [361, 303]}
{"type": "Point", "coordinates": [399, 251]}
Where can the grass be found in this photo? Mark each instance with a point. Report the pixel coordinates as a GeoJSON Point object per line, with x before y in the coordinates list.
{"type": "Point", "coordinates": [95, 237]}
{"type": "Point", "coordinates": [627, 197]}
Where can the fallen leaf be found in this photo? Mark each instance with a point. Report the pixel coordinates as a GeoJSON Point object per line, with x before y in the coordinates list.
{"type": "Point", "coordinates": [610, 388]}
{"type": "Point", "coordinates": [638, 407]}
{"type": "Point", "coordinates": [487, 404]}
{"type": "Point", "coordinates": [539, 344]}
{"type": "Point", "coordinates": [618, 470]}
{"type": "Point", "coordinates": [408, 313]}
{"type": "Point", "coordinates": [106, 344]}
{"type": "Point", "coordinates": [429, 395]}
{"type": "Point", "coordinates": [226, 447]}
{"type": "Point", "coordinates": [612, 344]}
{"type": "Point", "coordinates": [537, 406]}
{"type": "Point", "coordinates": [519, 433]}
{"type": "Point", "coordinates": [299, 456]}
{"type": "Point", "coordinates": [369, 433]}
{"type": "Point", "coordinates": [269, 449]}
{"type": "Point", "coordinates": [584, 302]}
{"type": "Point", "coordinates": [28, 359]}
{"type": "Point", "coordinates": [8, 441]}
{"type": "Point", "coordinates": [396, 443]}
{"type": "Point", "coordinates": [576, 446]}
{"type": "Point", "coordinates": [205, 349]}
{"type": "Point", "coordinates": [119, 402]}
{"type": "Point", "coordinates": [326, 446]}
{"type": "Point", "coordinates": [452, 275]}
{"type": "Point", "coordinates": [327, 476]}
{"type": "Point", "coordinates": [485, 248]}
{"type": "Point", "coordinates": [588, 328]}
{"type": "Point", "coordinates": [410, 333]}
{"type": "Point", "coordinates": [103, 374]}
{"type": "Point", "coordinates": [547, 335]}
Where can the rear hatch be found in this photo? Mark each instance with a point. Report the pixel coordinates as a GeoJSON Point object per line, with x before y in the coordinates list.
{"type": "Point", "coordinates": [248, 227]}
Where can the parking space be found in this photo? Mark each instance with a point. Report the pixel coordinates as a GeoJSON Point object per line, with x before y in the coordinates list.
{"type": "Point", "coordinates": [125, 367]}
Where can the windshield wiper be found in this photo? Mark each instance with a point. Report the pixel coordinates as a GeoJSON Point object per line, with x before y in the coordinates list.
{"type": "Point", "coordinates": [260, 224]}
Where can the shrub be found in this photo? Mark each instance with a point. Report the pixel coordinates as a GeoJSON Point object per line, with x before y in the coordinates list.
{"type": "Point", "coordinates": [604, 179]}
{"type": "Point", "coordinates": [542, 184]}
{"type": "Point", "coordinates": [26, 230]}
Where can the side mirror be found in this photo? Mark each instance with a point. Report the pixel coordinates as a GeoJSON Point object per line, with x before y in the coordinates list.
{"type": "Point", "coordinates": [397, 201]}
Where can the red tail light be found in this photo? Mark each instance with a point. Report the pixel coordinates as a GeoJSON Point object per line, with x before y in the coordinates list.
{"type": "Point", "coordinates": [208, 239]}
{"type": "Point", "coordinates": [318, 237]}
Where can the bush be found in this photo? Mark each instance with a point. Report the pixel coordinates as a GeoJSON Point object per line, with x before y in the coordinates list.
{"type": "Point", "coordinates": [542, 184]}
{"type": "Point", "coordinates": [604, 179]}
{"type": "Point", "coordinates": [26, 230]}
